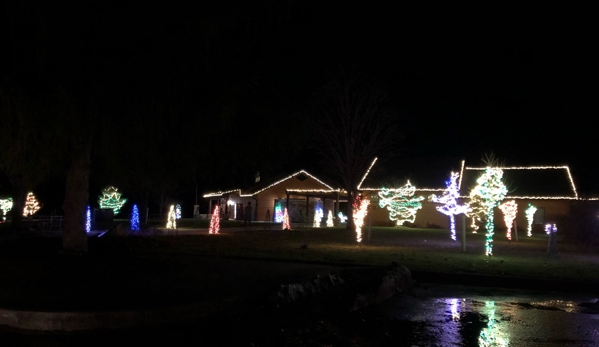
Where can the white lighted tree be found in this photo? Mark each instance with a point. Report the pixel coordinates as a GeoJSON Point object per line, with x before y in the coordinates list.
{"type": "Point", "coordinates": [449, 199]}
{"type": "Point", "coordinates": [509, 209]}
{"type": "Point", "coordinates": [5, 206]}
{"type": "Point", "coordinates": [318, 215]}
{"type": "Point", "coordinates": [476, 211]}
{"type": "Point", "coordinates": [330, 219]}
{"type": "Point", "coordinates": [360, 208]}
{"type": "Point", "coordinates": [492, 190]}
{"type": "Point", "coordinates": [401, 203]}
{"type": "Point", "coordinates": [31, 205]}
{"type": "Point", "coordinates": [530, 215]}
{"type": "Point", "coordinates": [171, 222]}
{"type": "Point", "coordinates": [111, 198]}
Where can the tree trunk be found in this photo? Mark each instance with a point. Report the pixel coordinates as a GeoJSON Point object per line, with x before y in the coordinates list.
{"type": "Point", "coordinates": [350, 211]}
{"type": "Point", "coordinates": [74, 237]}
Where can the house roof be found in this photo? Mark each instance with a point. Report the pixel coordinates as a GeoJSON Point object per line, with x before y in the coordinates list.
{"type": "Point", "coordinates": [266, 184]}
{"type": "Point", "coordinates": [527, 182]}
{"type": "Point", "coordinates": [426, 174]}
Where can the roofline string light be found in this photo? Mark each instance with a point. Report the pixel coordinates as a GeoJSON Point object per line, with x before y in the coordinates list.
{"type": "Point", "coordinates": [367, 172]}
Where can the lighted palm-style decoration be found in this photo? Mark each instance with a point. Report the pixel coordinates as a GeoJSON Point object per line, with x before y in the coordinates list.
{"type": "Point", "coordinates": [530, 215]}
{"type": "Point", "coordinates": [449, 199]}
{"type": "Point", "coordinates": [111, 199]}
{"type": "Point", "coordinates": [492, 191]}
{"type": "Point", "coordinates": [401, 203]}
{"type": "Point", "coordinates": [31, 205]}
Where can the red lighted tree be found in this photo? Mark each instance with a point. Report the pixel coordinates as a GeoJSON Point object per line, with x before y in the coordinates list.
{"type": "Point", "coordinates": [215, 221]}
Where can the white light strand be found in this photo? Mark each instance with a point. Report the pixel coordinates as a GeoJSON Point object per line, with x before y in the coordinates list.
{"type": "Point", "coordinates": [509, 209]}
{"type": "Point", "coordinates": [530, 214]}
{"type": "Point", "coordinates": [450, 206]}
{"type": "Point", "coordinates": [171, 220]}
{"type": "Point", "coordinates": [401, 203]}
{"type": "Point", "coordinates": [330, 219]}
{"type": "Point", "coordinates": [367, 172]}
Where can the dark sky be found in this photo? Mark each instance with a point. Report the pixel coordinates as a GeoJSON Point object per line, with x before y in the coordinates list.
{"type": "Point", "coordinates": [523, 88]}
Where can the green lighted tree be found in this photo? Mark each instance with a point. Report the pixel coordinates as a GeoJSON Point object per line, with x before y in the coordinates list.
{"type": "Point", "coordinates": [111, 198]}
{"type": "Point", "coordinates": [492, 190]}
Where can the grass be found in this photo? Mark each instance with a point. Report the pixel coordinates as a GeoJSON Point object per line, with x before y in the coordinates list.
{"type": "Point", "coordinates": [33, 273]}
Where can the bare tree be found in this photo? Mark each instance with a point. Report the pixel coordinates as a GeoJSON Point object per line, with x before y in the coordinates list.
{"type": "Point", "coordinates": [354, 124]}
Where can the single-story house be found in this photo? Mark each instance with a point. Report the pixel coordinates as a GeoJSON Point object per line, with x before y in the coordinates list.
{"type": "Point", "coordinates": [300, 192]}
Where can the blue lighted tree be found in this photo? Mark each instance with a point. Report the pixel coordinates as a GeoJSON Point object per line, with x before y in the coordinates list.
{"type": "Point", "coordinates": [135, 218]}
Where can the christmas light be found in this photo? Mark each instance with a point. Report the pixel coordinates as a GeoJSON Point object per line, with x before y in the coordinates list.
{"type": "Point", "coordinates": [330, 219]}
{"type": "Point", "coordinates": [177, 211]}
{"type": "Point", "coordinates": [476, 211]}
{"type": "Point", "coordinates": [88, 220]}
{"type": "Point", "coordinates": [492, 190]}
{"type": "Point", "coordinates": [367, 172]}
{"type": "Point", "coordinates": [550, 228]}
{"type": "Point", "coordinates": [111, 199]}
{"type": "Point", "coordinates": [171, 220]}
{"type": "Point", "coordinates": [278, 213]}
{"type": "Point", "coordinates": [215, 221]}
{"type": "Point", "coordinates": [286, 225]}
{"type": "Point", "coordinates": [342, 218]}
{"type": "Point", "coordinates": [5, 206]}
{"type": "Point", "coordinates": [135, 218]}
{"type": "Point", "coordinates": [318, 215]}
{"type": "Point", "coordinates": [401, 203]}
{"type": "Point", "coordinates": [491, 336]}
{"type": "Point", "coordinates": [450, 206]}
{"type": "Point", "coordinates": [530, 215]}
{"type": "Point", "coordinates": [509, 209]}
{"type": "Point", "coordinates": [360, 208]}
{"type": "Point", "coordinates": [31, 205]}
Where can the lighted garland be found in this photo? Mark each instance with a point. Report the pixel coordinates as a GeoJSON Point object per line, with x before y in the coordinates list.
{"type": "Point", "coordinates": [88, 220]}
{"type": "Point", "coordinates": [285, 224]}
{"type": "Point", "coordinates": [330, 222]}
{"type": "Point", "coordinates": [509, 209]}
{"type": "Point", "coordinates": [215, 221]}
{"type": "Point", "coordinates": [31, 205]}
{"type": "Point", "coordinates": [171, 222]}
{"type": "Point", "coordinates": [112, 199]}
{"type": "Point", "coordinates": [5, 206]}
{"type": "Point", "coordinates": [135, 218]}
{"type": "Point", "coordinates": [360, 208]}
{"type": "Point", "coordinates": [492, 190]}
{"type": "Point", "coordinates": [449, 200]}
{"type": "Point", "coordinates": [530, 215]}
{"type": "Point", "coordinates": [401, 203]}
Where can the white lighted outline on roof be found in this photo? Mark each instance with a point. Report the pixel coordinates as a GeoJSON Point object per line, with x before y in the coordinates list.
{"type": "Point", "coordinates": [268, 187]}
{"type": "Point", "coordinates": [530, 168]}
{"type": "Point", "coordinates": [392, 189]}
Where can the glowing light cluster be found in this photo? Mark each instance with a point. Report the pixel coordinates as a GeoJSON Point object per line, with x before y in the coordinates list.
{"type": "Point", "coordinates": [449, 200]}
{"type": "Point", "coordinates": [401, 203]}
{"type": "Point", "coordinates": [177, 211]}
{"type": "Point", "coordinates": [278, 213]}
{"type": "Point", "coordinates": [215, 221]}
{"type": "Point", "coordinates": [509, 209]}
{"type": "Point", "coordinates": [111, 198]}
{"type": "Point", "coordinates": [342, 218]}
{"type": "Point", "coordinates": [171, 222]}
{"type": "Point", "coordinates": [286, 225]}
{"type": "Point", "coordinates": [492, 190]}
{"type": "Point", "coordinates": [530, 215]}
{"type": "Point", "coordinates": [330, 219]}
{"type": "Point", "coordinates": [134, 218]}
{"type": "Point", "coordinates": [88, 220]}
{"type": "Point", "coordinates": [318, 215]}
{"type": "Point", "coordinates": [31, 205]}
{"type": "Point", "coordinates": [360, 208]}
{"type": "Point", "coordinates": [549, 228]}
{"type": "Point", "coordinates": [476, 211]}
{"type": "Point", "coordinates": [5, 206]}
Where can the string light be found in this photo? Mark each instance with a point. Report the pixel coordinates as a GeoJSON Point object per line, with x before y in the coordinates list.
{"type": "Point", "coordinates": [31, 205]}
{"type": "Point", "coordinates": [509, 209]}
{"type": "Point", "coordinates": [550, 228]}
{"type": "Point", "coordinates": [135, 218]}
{"type": "Point", "coordinates": [318, 215]}
{"type": "Point", "coordinates": [360, 208]}
{"type": "Point", "coordinates": [450, 206]}
{"type": "Point", "coordinates": [278, 212]}
{"type": "Point", "coordinates": [330, 219]}
{"type": "Point", "coordinates": [177, 211]}
{"type": "Point", "coordinates": [342, 218]}
{"type": "Point", "coordinates": [5, 206]}
{"type": "Point", "coordinates": [401, 203]}
{"type": "Point", "coordinates": [171, 220]}
{"type": "Point", "coordinates": [367, 172]}
{"type": "Point", "coordinates": [476, 211]}
{"type": "Point", "coordinates": [530, 214]}
{"type": "Point", "coordinates": [215, 221]}
{"type": "Point", "coordinates": [286, 225]}
{"type": "Point", "coordinates": [88, 220]}
{"type": "Point", "coordinates": [111, 199]}
{"type": "Point", "coordinates": [492, 190]}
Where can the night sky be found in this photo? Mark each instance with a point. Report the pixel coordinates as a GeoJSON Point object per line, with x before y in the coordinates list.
{"type": "Point", "coordinates": [460, 88]}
